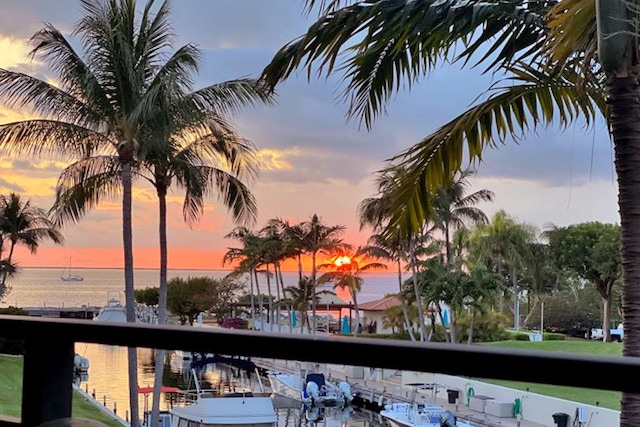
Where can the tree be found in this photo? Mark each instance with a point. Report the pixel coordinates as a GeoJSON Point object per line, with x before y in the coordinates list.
{"type": "Point", "coordinates": [107, 97]}
{"type": "Point", "coordinates": [319, 238]}
{"type": "Point", "coordinates": [502, 244]}
{"type": "Point", "coordinates": [582, 60]}
{"type": "Point", "coordinates": [460, 290]}
{"type": "Point", "coordinates": [377, 213]}
{"type": "Point", "coordinates": [22, 223]}
{"type": "Point", "coordinates": [590, 251]}
{"type": "Point", "coordinates": [348, 265]}
{"type": "Point", "coordinates": [453, 209]}
{"type": "Point", "coordinates": [197, 152]}
{"type": "Point", "coordinates": [301, 298]}
{"type": "Point", "coordinates": [186, 298]}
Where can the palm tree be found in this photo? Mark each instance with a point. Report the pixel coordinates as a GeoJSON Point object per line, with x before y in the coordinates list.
{"type": "Point", "coordinates": [378, 211]}
{"type": "Point", "coordinates": [250, 259]}
{"type": "Point", "coordinates": [319, 238]}
{"type": "Point", "coordinates": [301, 298]}
{"type": "Point", "coordinates": [593, 58]}
{"type": "Point", "coordinates": [199, 153]}
{"type": "Point", "coordinates": [348, 265]}
{"type": "Point", "coordinates": [105, 98]}
{"type": "Point", "coordinates": [453, 209]}
{"type": "Point", "coordinates": [504, 242]}
{"type": "Point", "coordinates": [22, 223]}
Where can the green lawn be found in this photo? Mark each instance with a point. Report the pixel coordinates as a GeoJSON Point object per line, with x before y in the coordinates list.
{"type": "Point", "coordinates": [604, 398]}
{"type": "Point", "coordinates": [11, 390]}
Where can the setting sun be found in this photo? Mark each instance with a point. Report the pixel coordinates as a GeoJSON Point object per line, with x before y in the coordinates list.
{"type": "Point", "coordinates": [342, 260]}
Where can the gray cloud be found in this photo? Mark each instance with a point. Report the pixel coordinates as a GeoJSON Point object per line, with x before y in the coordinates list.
{"type": "Point", "coordinates": [11, 186]}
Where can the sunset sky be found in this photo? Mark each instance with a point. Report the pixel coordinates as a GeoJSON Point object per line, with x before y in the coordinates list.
{"type": "Point", "coordinates": [313, 160]}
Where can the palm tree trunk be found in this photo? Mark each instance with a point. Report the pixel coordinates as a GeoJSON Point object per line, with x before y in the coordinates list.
{"type": "Point", "coordinates": [405, 313]}
{"type": "Point", "coordinates": [260, 297]}
{"type": "Point", "coordinates": [414, 273]}
{"type": "Point", "coordinates": [127, 239]}
{"type": "Point", "coordinates": [314, 286]}
{"type": "Point", "coordinates": [162, 305]}
{"type": "Point", "coordinates": [5, 273]}
{"type": "Point", "coordinates": [355, 303]}
{"type": "Point", "coordinates": [516, 300]}
{"type": "Point", "coordinates": [270, 313]}
{"type": "Point", "coordinates": [471, 319]}
{"type": "Point", "coordinates": [624, 101]}
{"type": "Point", "coordinates": [253, 300]}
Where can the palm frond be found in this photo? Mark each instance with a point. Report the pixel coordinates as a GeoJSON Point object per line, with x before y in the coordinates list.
{"type": "Point", "coordinates": [20, 91]}
{"type": "Point", "coordinates": [528, 99]}
{"type": "Point", "coordinates": [228, 98]}
{"type": "Point", "coordinates": [82, 185]}
{"type": "Point", "coordinates": [572, 31]}
{"type": "Point", "coordinates": [49, 137]}
{"type": "Point", "coordinates": [204, 181]}
{"type": "Point", "coordinates": [382, 44]}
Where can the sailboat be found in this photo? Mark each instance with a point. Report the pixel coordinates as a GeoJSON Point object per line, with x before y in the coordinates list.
{"type": "Point", "coordinates": [68, 277]}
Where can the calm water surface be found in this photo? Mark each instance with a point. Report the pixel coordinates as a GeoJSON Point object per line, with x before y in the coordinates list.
{"type": "Point", "coordinates": [37, 287]}
{"type": "Point", "coordinates": [107, 377]}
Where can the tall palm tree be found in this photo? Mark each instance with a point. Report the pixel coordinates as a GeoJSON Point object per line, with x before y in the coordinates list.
{"type": "Point", "coordinates": [319, 238]}
{"type": "Point", "coordinates": [22, 223]}
{"type": "Point", "coordinates": [197, 152]}
{"type": "Point", "coordinates": [504, 242]}
{"type": "Point", "coordinates": [250, 259]}
{"type": "Point", "coordinates": [453, 209]}
{"type": "Point", "coordinates": [106, 94]}
{"type": "Point", "coordinates": [348, 265]}
{"type": "Point", "coordinates": [378, 211]}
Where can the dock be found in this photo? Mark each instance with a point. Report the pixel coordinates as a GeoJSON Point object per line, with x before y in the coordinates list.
{"type": "Point", "coordinates": [376, 387]}
{"type": "Point", "coordinates": [63, 312]}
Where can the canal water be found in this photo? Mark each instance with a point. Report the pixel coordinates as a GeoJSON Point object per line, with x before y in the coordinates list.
{"type": "Point", "coordinates": [107, 380]}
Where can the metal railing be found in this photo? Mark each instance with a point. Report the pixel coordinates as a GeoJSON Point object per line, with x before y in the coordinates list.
{"type": "Point", "coordinates": [49, 354]}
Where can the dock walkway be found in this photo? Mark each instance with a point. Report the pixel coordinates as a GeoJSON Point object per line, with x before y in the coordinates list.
{"type": "Point", "coordinates": [390, 389]}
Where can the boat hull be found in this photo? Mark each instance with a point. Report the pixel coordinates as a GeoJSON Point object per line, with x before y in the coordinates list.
{"type": "Point", "coordinates": [226, 411]}
{"type": "Point", "coordinates": [286, 385]}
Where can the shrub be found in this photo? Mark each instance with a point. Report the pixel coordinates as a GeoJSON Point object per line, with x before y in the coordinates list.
{"type": "Point", "coordinates": [235, 323]}
{"type": "Point", "coordinates": [550, 336]}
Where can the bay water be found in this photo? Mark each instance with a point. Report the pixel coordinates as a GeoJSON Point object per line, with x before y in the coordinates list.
{"type": "Point", "coordinates": [107, 378]}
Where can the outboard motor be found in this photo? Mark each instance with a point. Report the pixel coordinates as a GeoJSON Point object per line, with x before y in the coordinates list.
{"type": "Point", "coordinates": [345, 390]}
{"type": "Point", "coordinates": [313, 391]}
{"type": "Point", "coordinates": [447, 419]}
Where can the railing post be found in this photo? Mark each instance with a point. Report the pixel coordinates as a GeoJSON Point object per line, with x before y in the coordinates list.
{"type": "Point", "coordinates": [47, 380]}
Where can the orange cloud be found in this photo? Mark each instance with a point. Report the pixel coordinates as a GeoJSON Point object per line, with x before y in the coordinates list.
{"type": "Point", "coordinates": [277, 159]}
{"type": "Point", "coordinates": [14, 52]}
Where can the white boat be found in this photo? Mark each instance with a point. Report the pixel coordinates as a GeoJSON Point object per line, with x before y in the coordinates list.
{"type": "Point", "coordinates": [236, 406]}
{"type": "Point", "coordinates": [114, 311]}
{"type": "Point", "coordinates": [312, 390]}
{"type": "Point", "coordinates": [420, 415]}
{"type": "Point", "coordinates": [80, 364]}
{"type": "Point", "coordinates": [68, 277]}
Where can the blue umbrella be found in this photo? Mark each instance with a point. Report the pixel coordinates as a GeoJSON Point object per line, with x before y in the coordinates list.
{"type": "Point", "coordinates": [445, 317]}
{"type": "Point", "coordinates": [345, 325]}
{"type": "Point", "coordinates": [294, 318]}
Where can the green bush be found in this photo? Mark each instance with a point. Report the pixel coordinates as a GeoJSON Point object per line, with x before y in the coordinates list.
{"type": "Point", "coordinates": [486, 328]}
{"type": "Point", "coordinates": [550, 336]}
{"type": "Point", "coordinates": [518, 336]}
